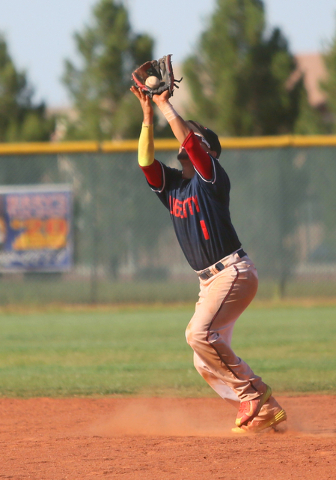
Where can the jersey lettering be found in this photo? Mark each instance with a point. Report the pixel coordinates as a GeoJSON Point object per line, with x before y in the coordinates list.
{"type": "Point", "coordinates": [194, 199]}
{"type": "Point", "coordinates": [185, 203]}
{"type": "Point", "coordinates": [179, 209]}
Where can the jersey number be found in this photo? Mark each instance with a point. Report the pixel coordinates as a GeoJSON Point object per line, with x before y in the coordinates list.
{"type": "Point", "coordinates": [204, 230]}
{"type": "Point", "coordinates": [180, 209]}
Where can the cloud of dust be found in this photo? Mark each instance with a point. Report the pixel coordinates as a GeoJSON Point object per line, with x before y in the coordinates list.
{"type": "Point", "coordinates": [143, 417]}
{"type": "Point", "coordinates": [206, 417]}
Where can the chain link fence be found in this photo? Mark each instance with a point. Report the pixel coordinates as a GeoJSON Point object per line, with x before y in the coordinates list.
{"type": "Point", "coordinates": [283, 206]}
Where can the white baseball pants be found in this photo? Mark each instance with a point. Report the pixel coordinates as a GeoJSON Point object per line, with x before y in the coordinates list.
{"type": "Point", "coordinates": [222, 299]}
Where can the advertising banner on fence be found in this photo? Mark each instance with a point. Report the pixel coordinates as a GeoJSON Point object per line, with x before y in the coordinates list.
{"type": "Point", "coordinates": [36, 228]}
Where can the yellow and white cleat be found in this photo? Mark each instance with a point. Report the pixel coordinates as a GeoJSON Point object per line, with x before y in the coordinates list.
{"type": "Point", "coordinates": [270, 415]}
{"type": "Point", "coordinates": [251, 408]}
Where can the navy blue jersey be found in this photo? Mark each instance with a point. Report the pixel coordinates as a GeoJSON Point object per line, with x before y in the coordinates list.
{"type": "Point", "coordinates": [200, 213]}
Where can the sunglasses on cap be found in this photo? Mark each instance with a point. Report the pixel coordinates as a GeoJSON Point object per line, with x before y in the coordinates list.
{"type": "Point", "coordinates": [203, 140]}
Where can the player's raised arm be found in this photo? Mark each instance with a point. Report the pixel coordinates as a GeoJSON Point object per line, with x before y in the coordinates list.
{"type": "Point", "coordinates": [197, 151]}
{"type": "Point", "coordinates": [150, 166]}
{"type": "Point", "coordinates": [146, 105]}
{"type": "Point", "coordinates": [178, 125]}
{"type": "Point", "coordinates": [155, 80]}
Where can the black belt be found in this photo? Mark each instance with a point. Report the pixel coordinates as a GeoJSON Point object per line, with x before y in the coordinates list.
{"type": "Point", "coordinates": [219, 266]}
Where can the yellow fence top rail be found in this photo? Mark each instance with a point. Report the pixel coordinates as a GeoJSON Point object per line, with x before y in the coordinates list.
{"type": "Point", "coordinates": [281, 141]}
{"type": "Point", "coordinates": [33, 148]}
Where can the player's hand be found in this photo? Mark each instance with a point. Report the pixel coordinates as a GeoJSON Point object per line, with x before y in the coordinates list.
{"type": "Point", "coordinates": [161, 99]}
{"type": "Point", "coordinates": [145, 103]}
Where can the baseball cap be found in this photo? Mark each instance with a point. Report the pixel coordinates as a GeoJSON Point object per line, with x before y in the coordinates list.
{"type": "Point", "coordinates": [208, 134]}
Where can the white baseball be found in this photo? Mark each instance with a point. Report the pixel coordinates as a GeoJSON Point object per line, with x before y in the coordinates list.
{"type": "Point", "coordinates": [152, 82]}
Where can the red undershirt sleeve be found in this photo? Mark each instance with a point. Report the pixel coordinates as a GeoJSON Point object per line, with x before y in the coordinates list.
{"type": "Point", "coordinates": [153, 174]}
{"type": "Point", "coordinates": [199, 157]}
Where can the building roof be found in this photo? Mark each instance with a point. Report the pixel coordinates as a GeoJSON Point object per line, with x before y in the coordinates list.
{"type": "Point", "coordinates": [312, 66]}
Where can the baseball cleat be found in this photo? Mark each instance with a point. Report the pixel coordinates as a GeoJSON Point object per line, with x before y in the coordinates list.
{"type": "Point", "coordinates": [251, 408]}
{"type": "Point", "coordinates": [271, 414]}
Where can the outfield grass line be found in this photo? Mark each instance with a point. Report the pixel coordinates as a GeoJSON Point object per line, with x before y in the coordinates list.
{"type": "Point", "coordinates": [103, 307]}
{"type": "Point", "coordinates": [121, 307]}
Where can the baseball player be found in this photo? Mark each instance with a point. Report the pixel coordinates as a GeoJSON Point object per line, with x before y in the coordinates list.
{"type": "Point", "coordinates": [197, 197]}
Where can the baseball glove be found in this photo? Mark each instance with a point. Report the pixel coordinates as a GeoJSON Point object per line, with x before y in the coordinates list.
{"type": "Point", "coordinates": [155, 77]}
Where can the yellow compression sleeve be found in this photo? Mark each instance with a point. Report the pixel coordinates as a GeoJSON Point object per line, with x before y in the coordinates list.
{"type": "Point", "coordinates": [146, 146]}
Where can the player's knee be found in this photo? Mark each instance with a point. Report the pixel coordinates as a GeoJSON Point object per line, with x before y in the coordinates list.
{"type": "Point", "coordinates": [195, 337]}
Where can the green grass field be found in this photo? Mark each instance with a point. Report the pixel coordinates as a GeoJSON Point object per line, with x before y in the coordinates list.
{"type": "Point", "coordinates": [43, 289]}
{"type": "Point", "coordinates": [142, 351]}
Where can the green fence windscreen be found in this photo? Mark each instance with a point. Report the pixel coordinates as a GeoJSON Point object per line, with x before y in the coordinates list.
{"type": "Point", "coordinates": [283, 206]}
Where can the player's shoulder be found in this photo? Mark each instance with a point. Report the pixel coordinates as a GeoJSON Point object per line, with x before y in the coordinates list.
{"type": "Point", "coordinates": [172, 178]}
{"type": "Point", "coordinates": [219, 174]}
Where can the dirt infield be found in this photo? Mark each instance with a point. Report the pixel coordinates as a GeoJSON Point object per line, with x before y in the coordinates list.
{"type": "Point", "coordinates": [155, 438]}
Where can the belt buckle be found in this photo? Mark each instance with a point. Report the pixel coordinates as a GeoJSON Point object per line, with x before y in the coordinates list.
{"type": "Point", "coordinates": [241, 253]}
{"type": "Point", "coordinates": [219, 266]}
{"type": "Point", "coordinates": [206, 274]}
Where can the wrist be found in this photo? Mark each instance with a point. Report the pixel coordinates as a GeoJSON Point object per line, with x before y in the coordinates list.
{"type": "Point", "coordinates": [148, 120]}
{"type": "Point", "coordinates": [168, 111]}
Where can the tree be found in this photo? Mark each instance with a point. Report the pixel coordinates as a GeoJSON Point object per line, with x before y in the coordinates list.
{"type": "Point", "coordinates": [20, 119]}
{"type": "Point", "coordinates": [310, 121]}
{"type": "Point", "coordinates": [329, 85]}
{"type": "Point", "coordinates": [109, 52]}
{"type": "Point", "coordinates": [239, 76]}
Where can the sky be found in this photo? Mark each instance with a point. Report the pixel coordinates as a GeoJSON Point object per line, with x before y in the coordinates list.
{"type": "Point", "coordinates": [39, 33]}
